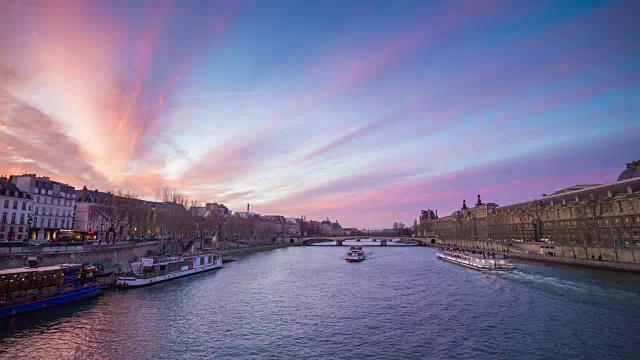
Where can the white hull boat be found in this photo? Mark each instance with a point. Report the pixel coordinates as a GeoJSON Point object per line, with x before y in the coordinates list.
{"type": "Point", "coordinates": [476, 261]}
{"type": "Point", "coordinates": [149, 271]}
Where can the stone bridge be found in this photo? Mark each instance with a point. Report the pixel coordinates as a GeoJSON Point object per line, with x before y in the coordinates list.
{"type": "Point", "coordinates": [423, 241]}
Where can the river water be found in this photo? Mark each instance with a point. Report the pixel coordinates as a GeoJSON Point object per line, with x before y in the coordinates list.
{"type": "Point", "coordinates": [306, 302]}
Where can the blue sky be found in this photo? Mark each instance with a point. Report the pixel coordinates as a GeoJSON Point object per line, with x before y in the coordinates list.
{"type": "Point", "coordinates": [364, 111]}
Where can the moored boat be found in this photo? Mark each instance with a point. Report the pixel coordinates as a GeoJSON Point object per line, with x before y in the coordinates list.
{"type": "Point", "coordinates": [355, 254]}
{"type": "Point", "coordinates": [151, 270]}
{"type": "Point", "coordinates": [476, 260]}
{"type": "Point", "coordinates": [29, 289]}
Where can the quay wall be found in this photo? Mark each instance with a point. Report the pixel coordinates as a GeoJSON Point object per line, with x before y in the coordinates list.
{"type": "Point", "coordinates": [111, 257]}
{"type": "Point", "coordinates": [628, 257]}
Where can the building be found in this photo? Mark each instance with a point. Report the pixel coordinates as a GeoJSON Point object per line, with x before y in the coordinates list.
{"type": "Point", "coordinates": [16, 212]}
{"type": "Point", "coordinates": [603, 215]}
{"type": "Point", "coordinates": [88, 223]}
{"type": "Point", "coordinates": [53, 204]}
{"type": "Point", "coordinates": [219, 209]}
{"type": "Point", "coordinates": [199, 211]}
{"type": "Point", "coordinates": [292, 226]}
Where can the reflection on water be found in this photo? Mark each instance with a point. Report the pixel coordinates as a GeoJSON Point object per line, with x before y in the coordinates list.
{"type": "Point", "coordinates": [306, 302]}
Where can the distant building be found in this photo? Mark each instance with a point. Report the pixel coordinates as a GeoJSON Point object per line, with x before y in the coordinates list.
{"type": "Point", "coordinates": [16, 212]}
{"type": "Point", "coordinates": [607, 215]}
{"type": "Point", "coordinates": [292, 226]}
{"type": "Point", "coordinates": [199, 211]}
{"type": "Point", "coordinates": [53, 204]}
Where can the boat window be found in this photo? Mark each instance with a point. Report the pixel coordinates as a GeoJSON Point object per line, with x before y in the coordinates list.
{"type": "Point", "coordinates": [18, 295]}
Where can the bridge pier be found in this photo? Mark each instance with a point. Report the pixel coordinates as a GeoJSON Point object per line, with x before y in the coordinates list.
{"type": "Point", "coordinates": [383, 242]}
{"type": "Point", "coordinates": [339, 242]}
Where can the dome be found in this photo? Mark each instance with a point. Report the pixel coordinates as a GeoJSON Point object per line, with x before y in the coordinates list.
{"type": "Point", "coordinates": [632, 171]}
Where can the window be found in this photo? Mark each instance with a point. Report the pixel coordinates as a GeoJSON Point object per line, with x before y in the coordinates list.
{"type": "Point", "coordinates": [19, 237]}
{"type": "Point", "coordinates": [68, 224]}
{"type": "Point", "coordinates": [56, 223]}
{"type": "Point", "coordinates": [15, 204]}
{"type": "Point", "coordinates": [35, 222]}
{"type": "Point", "coordinates": [37, 199]}
{"type": "Point", "coordinates": [49, 223]}
{"type": "Point", "coordinates": [37, 211]}
{"type": "Point", "coordinates": [24, 205]}
{"type": "Point", "coordinates": [22, 219]}
{"type": "Point", "coordinates": [13, 218]}
{"type": "Point", "coordinates": [41, 222]}
{"type": "Point", "coordinates": [4, 218]}
{"type": "Point", "coordinates": [29, 207]}
{"type": "Point", "coordinates": [57, 211]}
{"type": "Point", "coordinates": [20, 229]}
{"type": "Point", "coordinates": [6, 204]}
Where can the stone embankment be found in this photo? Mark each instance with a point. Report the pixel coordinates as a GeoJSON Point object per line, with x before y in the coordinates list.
{"type": "Point", "coordinates": [623, 258]}
{"type": "Point", "coordinates": [110, 256]}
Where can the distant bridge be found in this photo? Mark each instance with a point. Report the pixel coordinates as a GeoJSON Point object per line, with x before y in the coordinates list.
{"type": "Point", "coordinates": [422, 241]}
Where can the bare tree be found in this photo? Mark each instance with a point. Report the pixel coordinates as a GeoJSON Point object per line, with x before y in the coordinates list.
{"type": "Point", "coordinates": [523, 217]}
{"type": "Point", "coordinates": [120, 210]}
{"type": "Point", "coordinates": [398, 227]}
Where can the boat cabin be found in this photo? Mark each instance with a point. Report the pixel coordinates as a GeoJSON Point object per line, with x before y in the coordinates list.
{"type": "Point", "coordinates": [28, 284]}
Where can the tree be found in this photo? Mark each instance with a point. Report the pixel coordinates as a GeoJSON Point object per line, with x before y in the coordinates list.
{"type": "Point", "coordinates": [119, 210]}
{"type": "Point", "coordinates": [398, 227]}
{"type": "Point", "coordinates": [523, 216]}
{"type": "Point", "coordinates": [537, 211]}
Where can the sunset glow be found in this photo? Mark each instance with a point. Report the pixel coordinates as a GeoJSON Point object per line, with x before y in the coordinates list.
{"type": "Point", "coordinates": [364, 112]}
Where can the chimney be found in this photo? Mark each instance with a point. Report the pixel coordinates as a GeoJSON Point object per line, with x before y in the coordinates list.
{"type": "Point", "coordinates": [247, 207]}
{"type": "Point", "coordinates": [84, 193]}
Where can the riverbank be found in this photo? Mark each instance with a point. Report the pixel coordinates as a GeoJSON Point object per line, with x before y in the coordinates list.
{"type": "Point", "coordinates": [594, 264]}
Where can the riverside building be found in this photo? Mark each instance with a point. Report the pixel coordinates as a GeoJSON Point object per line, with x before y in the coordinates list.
{"type": "Point", "coordinates": [15, 206]}
{"type": "Point", "coordinates": [52, 205]}
{"type": "Point", "coordinates": [605, 215]}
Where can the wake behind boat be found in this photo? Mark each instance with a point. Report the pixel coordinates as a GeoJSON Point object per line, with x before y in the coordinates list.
{"type": "Point", "coordinates": [476, 260]}
{"type": "Point", "coordinates": [355, 254]}
{"type": "Point", "coordinates": [147, 271]}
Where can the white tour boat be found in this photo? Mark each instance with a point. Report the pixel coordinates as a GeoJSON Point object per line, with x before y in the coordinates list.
{"type": "Point", "coordinates": [147, 271]}
{"type": "Point", "coordinates": [476, 261]}
{"type": "Point", "coordinates": [355, 254]}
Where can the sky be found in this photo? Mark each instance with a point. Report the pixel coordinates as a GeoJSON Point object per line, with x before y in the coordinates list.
{"type": "Point", "coordinates": [364, 112]}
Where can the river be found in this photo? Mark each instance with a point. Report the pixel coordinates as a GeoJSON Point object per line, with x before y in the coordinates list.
{"type": "Point", "coordinates": [306, 302]}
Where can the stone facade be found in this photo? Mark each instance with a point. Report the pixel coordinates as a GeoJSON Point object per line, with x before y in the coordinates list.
{"type": "Point", "coordinates": [53, 204]}
{"type": "Point", "coordinates": [15, 207]}
{"type": "Point", "coordinates": [584, 216]}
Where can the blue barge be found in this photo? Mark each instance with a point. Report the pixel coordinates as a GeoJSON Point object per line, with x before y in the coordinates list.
{"type": "Point", "coordinates": [29, 289]}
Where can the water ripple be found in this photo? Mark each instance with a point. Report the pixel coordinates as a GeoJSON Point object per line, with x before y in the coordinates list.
{"type": "Point", "coordinates": [308, 303]}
